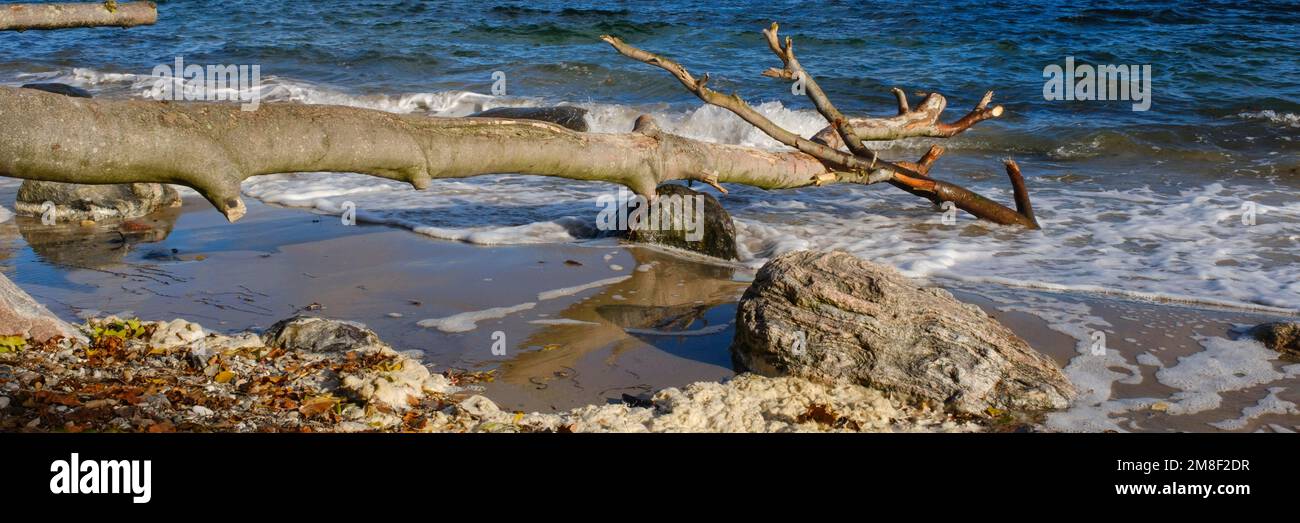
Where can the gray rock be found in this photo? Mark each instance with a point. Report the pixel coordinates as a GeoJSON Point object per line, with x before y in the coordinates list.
{"type": "Point", "coordinates": [1281, 336]}
{"type": "Point", "coordinates": [22, 315]}
{"type": "Point", "coordinates": [719, 233]}
{"type": "Point", "coordinates": [75, 202]}
{"type": "Point", "coordinates": [564, 115]}
{"type": "Point", "coordinates": [834, 318]}
{"type": "Point", "coordinates": [311, 334]}
{"type": "Point", "coordinates": [57, 88]}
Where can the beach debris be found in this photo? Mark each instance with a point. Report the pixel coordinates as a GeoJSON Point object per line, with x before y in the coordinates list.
{"type": "Point", "coordinates": [309, 374]}
{"type": "Point", "coordinates": [858, 164]}
{"type": "Point", "coordinates": [835, 318]}
{"type": "Point", "coordinates": [110, 13]}
{"type": "Point", "coordinates": [1280, 336]}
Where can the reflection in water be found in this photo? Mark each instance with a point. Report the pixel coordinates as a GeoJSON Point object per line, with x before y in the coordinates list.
{"type": "Point", "coordinates": [674, 295]}
{"type": "Point", "coordinates": [101, 245]}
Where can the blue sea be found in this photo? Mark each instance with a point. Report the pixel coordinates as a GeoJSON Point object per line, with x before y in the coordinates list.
{"type": "Point", "coordinates": [1151, 204]}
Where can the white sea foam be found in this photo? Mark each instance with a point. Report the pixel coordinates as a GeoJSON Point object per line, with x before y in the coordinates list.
{"type": "Point", "coordinates": [1270, 404]}
{"type": "Point", "coordinates": [468, 321]}
{"type": "Point", "coordinates": [1287, 119]}
{"type": "Point", "coordinates": [1185, 246]}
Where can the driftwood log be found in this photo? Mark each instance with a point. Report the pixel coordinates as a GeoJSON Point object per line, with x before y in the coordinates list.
{"type": "Point", "coordinates": [22, 17]}
{"type": "Point", "coordinates": [212, 147]}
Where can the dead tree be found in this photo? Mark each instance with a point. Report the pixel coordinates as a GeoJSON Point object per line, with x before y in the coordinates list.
{"type": "Point", "coordinates": [22, 17]}
{"type": "Point", "coordinates": [859, 163]}
{"type": "Point", "coordinates": [213, 147]}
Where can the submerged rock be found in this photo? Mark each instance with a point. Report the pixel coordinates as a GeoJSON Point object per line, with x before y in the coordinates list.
{"type": "Point", "coordinates": [716, 233]}
{"type": "Point", "coordinates": [57, 88]}
{"type": "Point", "coordinates": [21, 315]}
{"type": "Point", "coordinates": [76, 202]}
{"type": "Point", "coordinates": [564, 115]}
{"type": "Point", "coordinates": [835, 318]}
{"type": "Point", "coordinates": [1281, 336]}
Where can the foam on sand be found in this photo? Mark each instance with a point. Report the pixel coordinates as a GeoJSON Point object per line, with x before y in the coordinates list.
{"type": "Point", "coordinates": [468, 321]}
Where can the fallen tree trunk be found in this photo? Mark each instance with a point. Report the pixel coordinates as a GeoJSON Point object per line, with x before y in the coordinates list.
{"type": "Point", "coordinates": [213, 147]}
{"type": "Point", "coordinates": [22, 17]}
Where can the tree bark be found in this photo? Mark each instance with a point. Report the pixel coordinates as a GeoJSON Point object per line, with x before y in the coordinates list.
{"type": "Point", "coordinates": [213, 147]}
{"type": "Point", "coordinates": [21, 17]}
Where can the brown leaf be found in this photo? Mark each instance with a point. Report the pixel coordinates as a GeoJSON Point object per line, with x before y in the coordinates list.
{"type": "Point", "coordinates": [820, 413]}
{"type": "Point", "coordinates": [316, 406]}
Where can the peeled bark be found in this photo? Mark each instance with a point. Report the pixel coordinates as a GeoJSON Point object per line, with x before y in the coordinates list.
{"type": "Point", "coordinates": [22, 17]}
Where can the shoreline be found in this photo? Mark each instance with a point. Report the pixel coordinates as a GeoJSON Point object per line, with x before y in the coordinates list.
{"type": "Point", "coordinates": [573, 349]}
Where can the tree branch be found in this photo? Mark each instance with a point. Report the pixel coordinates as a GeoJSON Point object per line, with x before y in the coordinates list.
{"type": "Point", "coordinates": [909, 176]}
{"type": "Point", "coordinates": [794, 71]}
{"type": "Point", "coordinates": [922, 122]}
{"type": "Point", "coordinates": [212, 147]}
{"type": "Point", "coordinates": [21, 17]}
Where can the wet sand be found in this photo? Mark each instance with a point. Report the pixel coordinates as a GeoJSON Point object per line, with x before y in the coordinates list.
{"type": "Point", "coordinates": [565, 351]}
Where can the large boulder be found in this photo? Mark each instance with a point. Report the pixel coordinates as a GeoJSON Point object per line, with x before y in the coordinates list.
{"type": "Point", "coordinates": [76, 202]}
{"type": "Point", "coordinates": [21, 315]}
{"type": "Point", "coordinates": [718, 238]}
{"type": "Point", "coordinates": [835, 318]}
{"type": "Point", "coordinates": [1281, 336]}
{"type": "Point", "coordinates": [564, 115]}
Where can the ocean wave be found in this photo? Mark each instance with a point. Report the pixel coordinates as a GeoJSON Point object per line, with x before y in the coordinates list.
{"type": "Point", "coordinates": [1285, 119]}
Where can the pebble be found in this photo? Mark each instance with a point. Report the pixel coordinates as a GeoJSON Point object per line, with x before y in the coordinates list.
{"type": "Point", "coordinates": [202, 411]}
{"type": "Point", "coordinates": [4, 402]}
{"type": "Point", "coordinates": [394, 315]}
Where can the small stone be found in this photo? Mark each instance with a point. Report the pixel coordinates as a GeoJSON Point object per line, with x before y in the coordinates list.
{"type": "Point", "coordinates": [200, 410]}
{"type": "Point", "coordinates": [480, 406]}
{"type": "Point", "coordinates": [4, 402]}
{"type": "Point", "coordinates": [394, 315]}
{"type": "Point", "coordinates": [1280, 336]}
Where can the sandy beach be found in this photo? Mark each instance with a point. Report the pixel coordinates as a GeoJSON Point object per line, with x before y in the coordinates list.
{"type": "Point", "coordinates": [585, 323]}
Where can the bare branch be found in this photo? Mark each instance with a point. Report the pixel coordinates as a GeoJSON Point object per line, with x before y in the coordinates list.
{"type": "Point", "coordinates": [921, 122]}
{"type": "Point", "coordinates": [858, 169]}
{"type": "Point", "coordinates": [793, 70]}
{"type": "Point", "coordinates": [21, 17]}
{"type": "Point", "coordinates": [912, 177]}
